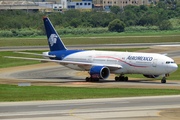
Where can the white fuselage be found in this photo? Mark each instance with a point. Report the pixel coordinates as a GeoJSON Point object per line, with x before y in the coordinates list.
{"type": "Point", "coordinates": [131, 62]}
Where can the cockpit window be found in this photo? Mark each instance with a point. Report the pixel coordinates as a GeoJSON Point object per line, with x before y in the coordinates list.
{"type": "Point", "coordinates": [168, 62]}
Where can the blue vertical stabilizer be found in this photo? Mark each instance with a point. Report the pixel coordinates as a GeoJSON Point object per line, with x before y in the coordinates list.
{"type": "Point", "coordinates": [55, 42]}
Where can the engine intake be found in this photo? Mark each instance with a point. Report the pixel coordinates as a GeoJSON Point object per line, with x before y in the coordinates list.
{"type": "Point", "coordinates": [151, 76]}
{"type": "Point", "coordinates": [100, 72]}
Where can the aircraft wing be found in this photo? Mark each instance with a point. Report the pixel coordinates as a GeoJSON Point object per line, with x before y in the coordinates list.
{"type": "Point", "coordinates": [111, 66]}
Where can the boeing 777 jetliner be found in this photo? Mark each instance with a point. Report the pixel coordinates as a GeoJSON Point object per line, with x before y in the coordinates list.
{"type": "Point", "coordinates": [101, 63]}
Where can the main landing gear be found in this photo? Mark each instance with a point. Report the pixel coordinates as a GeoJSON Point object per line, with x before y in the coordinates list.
{"type": "Point", "coordinates": [121, 78]}
{"type": "Point", "coordinates": [90, 79]}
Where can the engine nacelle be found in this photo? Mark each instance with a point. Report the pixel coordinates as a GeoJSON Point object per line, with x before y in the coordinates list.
{"type": "Point", "coordinates": [100, 72]}
{"type": "Point", "coordinates": [46, 54]}
{"type": "Point", "coordinates": [151, 76]}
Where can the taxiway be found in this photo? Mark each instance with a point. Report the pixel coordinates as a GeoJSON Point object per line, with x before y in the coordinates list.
{"type": "Point", "coordinates": [133, 108]}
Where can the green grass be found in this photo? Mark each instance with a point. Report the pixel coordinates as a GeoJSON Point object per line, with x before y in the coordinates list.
{"type": "Point", "coordinates": [123, 49]}
{"type": "Point", "coordinates": [91, 39]}
{"type": "Point", "coordinates": [32, 93]}
{"type": "Point", "coordinates": [115, 40]}
{"type": "Point", "coordinates": [23, 42]}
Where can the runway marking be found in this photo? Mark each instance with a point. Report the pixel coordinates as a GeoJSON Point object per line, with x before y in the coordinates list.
{"type": "Point", "coordinates": [70, 112]}
{"type": "Point", "coordinates": [159, 113]}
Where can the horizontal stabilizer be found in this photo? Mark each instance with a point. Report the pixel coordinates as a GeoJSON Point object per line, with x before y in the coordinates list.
{"type": "Point", "coordinates": [51, 56]}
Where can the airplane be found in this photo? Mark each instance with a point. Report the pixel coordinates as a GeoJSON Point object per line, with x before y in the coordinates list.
{"type": "Point", "coordinates": [100, 64]}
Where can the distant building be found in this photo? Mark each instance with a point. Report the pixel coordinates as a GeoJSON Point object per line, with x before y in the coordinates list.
{"type": "Point", "coordinates": [98, 4]}
{"type": "Point", "coordinates": [62, 5]}
{"type": "Point", "coordinates": [26, 5]}
{"type": "Point", "coordinates": [83, 5]}
{"type": "Point", "coordinates": [47, 5]}
{"type": "Point", "coordinates": [106, 4]}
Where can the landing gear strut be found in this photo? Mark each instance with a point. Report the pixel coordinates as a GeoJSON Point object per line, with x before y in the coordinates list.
{"type": "Point", "coordinates": [121, 78]}
{"type": "Point", "coordinates": [163, 80]}
{"type": "Point", "coordinates": [90, 79]}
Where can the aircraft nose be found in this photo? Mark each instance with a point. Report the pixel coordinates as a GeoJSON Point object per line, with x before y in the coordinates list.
{"type": "Point", "coordinates": [173, 67]}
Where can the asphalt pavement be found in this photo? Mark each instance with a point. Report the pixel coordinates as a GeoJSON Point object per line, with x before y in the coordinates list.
{"type": "Point", "coordinates": [132, 108]}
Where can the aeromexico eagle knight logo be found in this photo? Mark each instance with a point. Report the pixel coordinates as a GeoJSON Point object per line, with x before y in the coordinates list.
{"type": "Point", "coordinates": [52, 39]}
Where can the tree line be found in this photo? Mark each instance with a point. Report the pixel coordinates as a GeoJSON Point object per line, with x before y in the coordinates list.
{"type": "Point", "coordinates": [153, 15]}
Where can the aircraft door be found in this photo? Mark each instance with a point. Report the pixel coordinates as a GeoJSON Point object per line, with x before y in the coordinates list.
{"type": "Point", "coordinates": [89, 58]}
{"type": "Point", "coordinates": [154, 63]}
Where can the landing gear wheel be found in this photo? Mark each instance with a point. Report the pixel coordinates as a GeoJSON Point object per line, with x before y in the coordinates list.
{"type": "Point", "coordinates": [121, 78]}
{"type": "Point", "coordinates": [116, 78]}
{"type": "Point", "coordinates": [89, 79]}
{"type": "Point", "coordinates": [163, 80]}
{"type": "Point", "coordinates": [126, 79]}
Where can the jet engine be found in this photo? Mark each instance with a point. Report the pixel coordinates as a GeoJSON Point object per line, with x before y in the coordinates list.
{"type": "Point", "coordinates": [151, 76]}
{"type": "Point", "coordinates": [99, 72]}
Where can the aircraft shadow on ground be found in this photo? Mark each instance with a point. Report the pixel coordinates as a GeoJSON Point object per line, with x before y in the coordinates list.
{"type": "Point", "coordinates": [73, 79]}
{"type": "Point", "coordinates": [151, 81]}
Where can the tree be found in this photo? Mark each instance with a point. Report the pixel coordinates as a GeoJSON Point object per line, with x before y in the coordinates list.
{"type": "Point", "coordinates": [115, 9]}
{"type": "Point", "coordinates": [178, 4]}
{"type": "Point", "coordinates": [162, 5]}
{"type": "Point", "coordinates": [116, 25]}
{"type": "Point", "coordinates": [149, 19]}
{"type": "Point", "coordinates": [130, 17]}
{"type": "Point", "coordinates": [143, 7]}
{"type": "Point", "coordinates": [165, 25]}
{"type": "Point", "coordinates": [75, 22]}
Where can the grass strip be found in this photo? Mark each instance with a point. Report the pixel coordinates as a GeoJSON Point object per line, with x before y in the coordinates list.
{"type": "Point", "coordinates": [122, 49]}
{"type": "Point", "coordinates": [32, 93]}
{"type": "Point", "coordinates": [127, 33]}
{"type": "Point", "coordinates": [88, 40]}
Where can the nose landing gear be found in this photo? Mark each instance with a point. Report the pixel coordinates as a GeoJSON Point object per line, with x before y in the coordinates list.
{"type": "Point", "coordinates": [163, 80]}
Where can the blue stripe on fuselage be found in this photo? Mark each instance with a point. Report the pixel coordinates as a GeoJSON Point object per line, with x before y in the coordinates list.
{"type": "Point", "coordinates": [61, 54]}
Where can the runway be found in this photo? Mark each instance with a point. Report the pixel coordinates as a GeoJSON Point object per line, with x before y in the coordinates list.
{"type": "Point", "coordinates": [133, 108]}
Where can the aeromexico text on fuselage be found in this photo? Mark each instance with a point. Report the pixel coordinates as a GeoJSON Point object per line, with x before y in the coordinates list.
{"type": "Point", "coordinates": [142, 58]}
{"type": "Point", "coordinates": [65, 53]}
